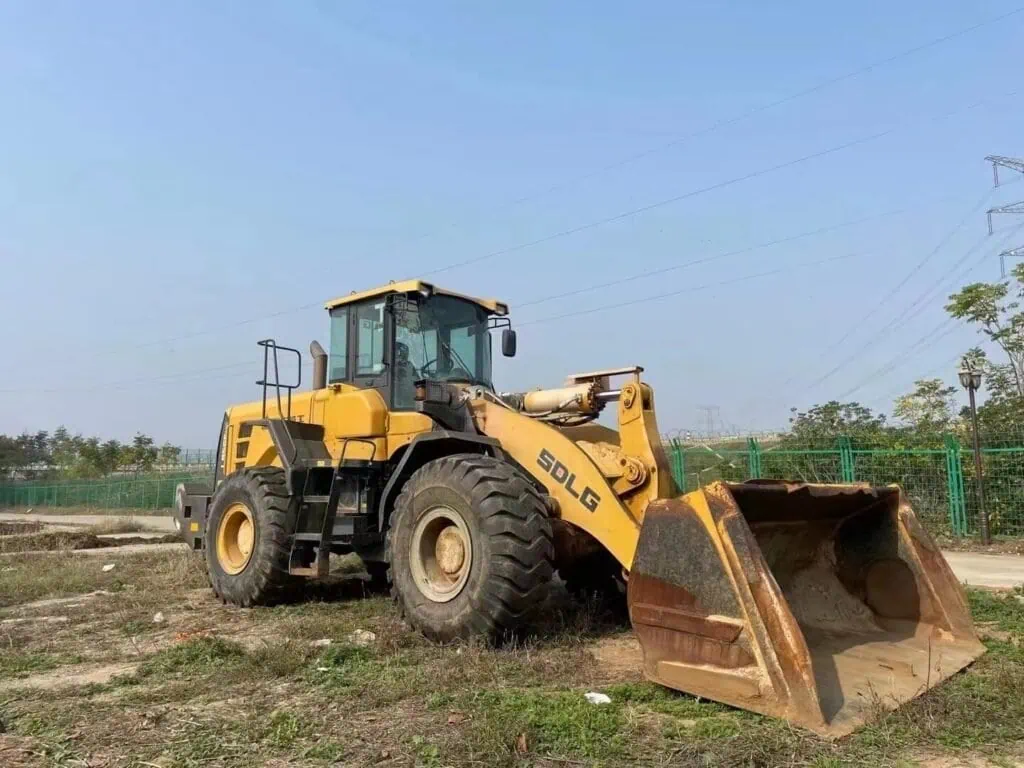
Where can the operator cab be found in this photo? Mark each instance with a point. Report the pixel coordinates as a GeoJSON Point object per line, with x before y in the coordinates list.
{"type": "Point", "coordinates": [389, 338]}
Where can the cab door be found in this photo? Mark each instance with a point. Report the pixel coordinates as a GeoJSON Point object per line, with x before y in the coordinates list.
{"type": "Point", "coordinates": [370, 346]}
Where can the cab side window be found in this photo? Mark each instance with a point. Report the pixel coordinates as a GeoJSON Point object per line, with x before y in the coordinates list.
{"type": "Point", "coordinates": [369, 339]}
{"type": "Point", "coordinates": [338, 355]}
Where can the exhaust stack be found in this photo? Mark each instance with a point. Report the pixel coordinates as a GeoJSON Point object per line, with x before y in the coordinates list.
{"type": "Point", "coordinates": [319, 365]}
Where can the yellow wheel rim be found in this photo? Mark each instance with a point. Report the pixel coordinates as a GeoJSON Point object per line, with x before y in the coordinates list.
{"type": "Point", "coordinates": [236, 536]}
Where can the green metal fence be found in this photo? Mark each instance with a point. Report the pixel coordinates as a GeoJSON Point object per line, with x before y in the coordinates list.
{"type": "Point", "coordinates": [151, 492]}
{"type": "Point", "coordinates": [940, 482]}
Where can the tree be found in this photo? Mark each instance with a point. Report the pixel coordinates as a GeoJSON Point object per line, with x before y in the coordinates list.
{"type": "Point", "coordinates": [96, 459]}
{"type": "Point", "coordinates": [835, 419]}
{"type": "Point", "coordinates": [996, 309]}
{"type": "Point", "coordinates": [110, 456]}
{"type": "Point", "coordinates": [140, 455]}
{"type": "Point", "coordinates": [169, 454]}
{"type": "Point", "coordinates": [11, 455]}
{"type": "Point", "coordinates": [929, 408]}
{"type": "Point", "coordinates": [63, 448]}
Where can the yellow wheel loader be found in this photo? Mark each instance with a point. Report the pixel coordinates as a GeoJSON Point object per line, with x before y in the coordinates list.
{"type": "Point", "coordinates": [814, 603]}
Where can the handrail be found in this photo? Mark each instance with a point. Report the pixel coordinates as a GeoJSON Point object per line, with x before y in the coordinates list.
{"type": "Point", "coordinates": [268, 345]}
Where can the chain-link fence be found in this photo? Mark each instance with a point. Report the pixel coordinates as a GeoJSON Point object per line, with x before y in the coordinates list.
{"type": "Point", "coordinates": [941, 483]}
{"type": "Point", "coordinates": [192, 457]}
{"type": "Point", "coordinates": [150, 492]}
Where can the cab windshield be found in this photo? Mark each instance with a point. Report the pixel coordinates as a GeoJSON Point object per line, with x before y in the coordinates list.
{"type": "Point", "coordinates": [441, 338]}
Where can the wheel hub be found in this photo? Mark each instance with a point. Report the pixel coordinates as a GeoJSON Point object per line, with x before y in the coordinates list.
{"type": "Point", "coordinates": [442, 554]}
{"type": "Point", "coordinates": [236, 536]}
{"type": "Point", "coordinates": [450, 551]}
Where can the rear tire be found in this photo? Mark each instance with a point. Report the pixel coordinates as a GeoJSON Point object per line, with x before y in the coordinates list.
{"type": "Point", "coordinates": [248, 538]}
{"type": "Point", "coordinates": [470, 548]}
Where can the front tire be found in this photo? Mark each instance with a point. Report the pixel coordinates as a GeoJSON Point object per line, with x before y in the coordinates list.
{"type": "Point", "coordinates": [470, 548]}
{"type": "Point", "coordinates": [248, 538]}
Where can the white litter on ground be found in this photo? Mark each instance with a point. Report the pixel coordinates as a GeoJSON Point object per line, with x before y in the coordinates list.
{"type": "Point", "coordinates": [362, 637]}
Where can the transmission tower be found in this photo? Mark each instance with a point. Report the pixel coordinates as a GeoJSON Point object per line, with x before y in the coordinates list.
{"type": "Point", "coordinates": [1012, 253]}
{"type": "Point", "coordinates": [711, 415]}
{"type": "Point", "coordinates": [1014, 164]}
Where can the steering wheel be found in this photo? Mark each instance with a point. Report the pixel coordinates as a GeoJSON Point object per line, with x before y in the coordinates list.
{"type": "Point", "coordinates": [423, 368]}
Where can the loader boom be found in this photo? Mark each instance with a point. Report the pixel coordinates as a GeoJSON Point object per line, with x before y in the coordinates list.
{"type": "Point", "coordinates": [602, 485]}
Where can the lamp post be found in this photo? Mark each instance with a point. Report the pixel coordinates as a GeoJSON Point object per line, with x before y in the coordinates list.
{"type": "Point", "coordinates": [970, 379]}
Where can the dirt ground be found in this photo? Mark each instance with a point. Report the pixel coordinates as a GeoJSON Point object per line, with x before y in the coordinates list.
{"type": "Point", "coordinates": [138, 665]}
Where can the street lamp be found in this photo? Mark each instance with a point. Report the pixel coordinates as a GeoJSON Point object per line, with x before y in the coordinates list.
{"type": "Point", "coordinates": [970, 379]}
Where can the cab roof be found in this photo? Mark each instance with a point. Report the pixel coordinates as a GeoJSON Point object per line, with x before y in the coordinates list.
{"type": "Point", "coordinates": [493, 306]}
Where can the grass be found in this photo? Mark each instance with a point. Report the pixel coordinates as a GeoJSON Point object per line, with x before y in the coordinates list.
{"type": "Point", "coordinates": [222, 686]}
{"type": "Point", "coordinates": [1004, 610]}
{"type": "Point", "coordinates": [21, 665]}
{"type": "Point", "coordinates": [193, 657]}
{"type": "Point", "coordinates": [26, 578]}
{"type": "Point", "coordinates": [561, 723]}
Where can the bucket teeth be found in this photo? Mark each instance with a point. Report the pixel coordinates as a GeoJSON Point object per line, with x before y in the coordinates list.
{"type": "Point", "coordinates": [812, 603]}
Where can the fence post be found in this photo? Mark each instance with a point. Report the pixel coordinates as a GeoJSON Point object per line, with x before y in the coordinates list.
{"type": "Point", "coordinates": [955, 487]}
{"type": "Point", "coordinates": [678, 473]}
{"type": "Point", "coordinates": [846, 460]}
{"type": "Point", "coordinates": [753, 458]}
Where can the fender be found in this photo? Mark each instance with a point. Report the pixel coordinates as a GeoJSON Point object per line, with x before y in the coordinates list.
{"type": "Point", "coordinates": [427, 447]}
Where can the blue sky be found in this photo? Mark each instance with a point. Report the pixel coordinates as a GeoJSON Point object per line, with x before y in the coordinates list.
{"type": "Point", "coordinates": [169, 171]}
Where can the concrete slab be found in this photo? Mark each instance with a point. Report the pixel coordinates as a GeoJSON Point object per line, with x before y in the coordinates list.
{"type": "Point", "coordinates": [996, 571]}
{"type": "Point", "coordinates": [162, 523]}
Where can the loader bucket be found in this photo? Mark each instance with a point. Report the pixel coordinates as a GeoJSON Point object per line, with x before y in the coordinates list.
{"type": "Point", "coordinates": [820, 604]}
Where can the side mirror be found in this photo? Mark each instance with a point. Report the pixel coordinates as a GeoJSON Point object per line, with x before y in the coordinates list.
{"type": "Point", "coordinates": [508, 342]}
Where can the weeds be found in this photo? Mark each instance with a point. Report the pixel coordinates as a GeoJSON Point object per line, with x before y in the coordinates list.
{"type": "Point", "coordinates": [193, 657]}
{"type": "Point", "coordinates": [20, 665]}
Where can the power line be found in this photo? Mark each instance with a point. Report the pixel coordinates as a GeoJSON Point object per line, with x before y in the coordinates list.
{"type": "Point", "coordinates": [770, 105]}
{"type": "Point", "coordinates": [931, 371]}
{"type": "Point", "coordinates": [907, 353]}
{"type": "Point", "coordinates": [207, 331]}
{"type": "Point", "coordinates": [630, 278]}
{"type": "Point", "coordinates": [141, 380]}
{"type": "Point", "coordinates": [702, 190]}
{"type": "Point", "coordinates": [727, 254]}
{"type": "Point", "coordinates": [740, 117]}
{"type": "Point", "coordinates": [706, 259]}
{"type": "Point", "coordinates": [566, 232]}
{"type": "Point", "coordinates": [860, 350]}
{"type": "Point", "coordinates": [883, 302]}
{"type": "Point", "coordinates": [689, 289]}
{"type": "Point", "coordinates": [939, 285]}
